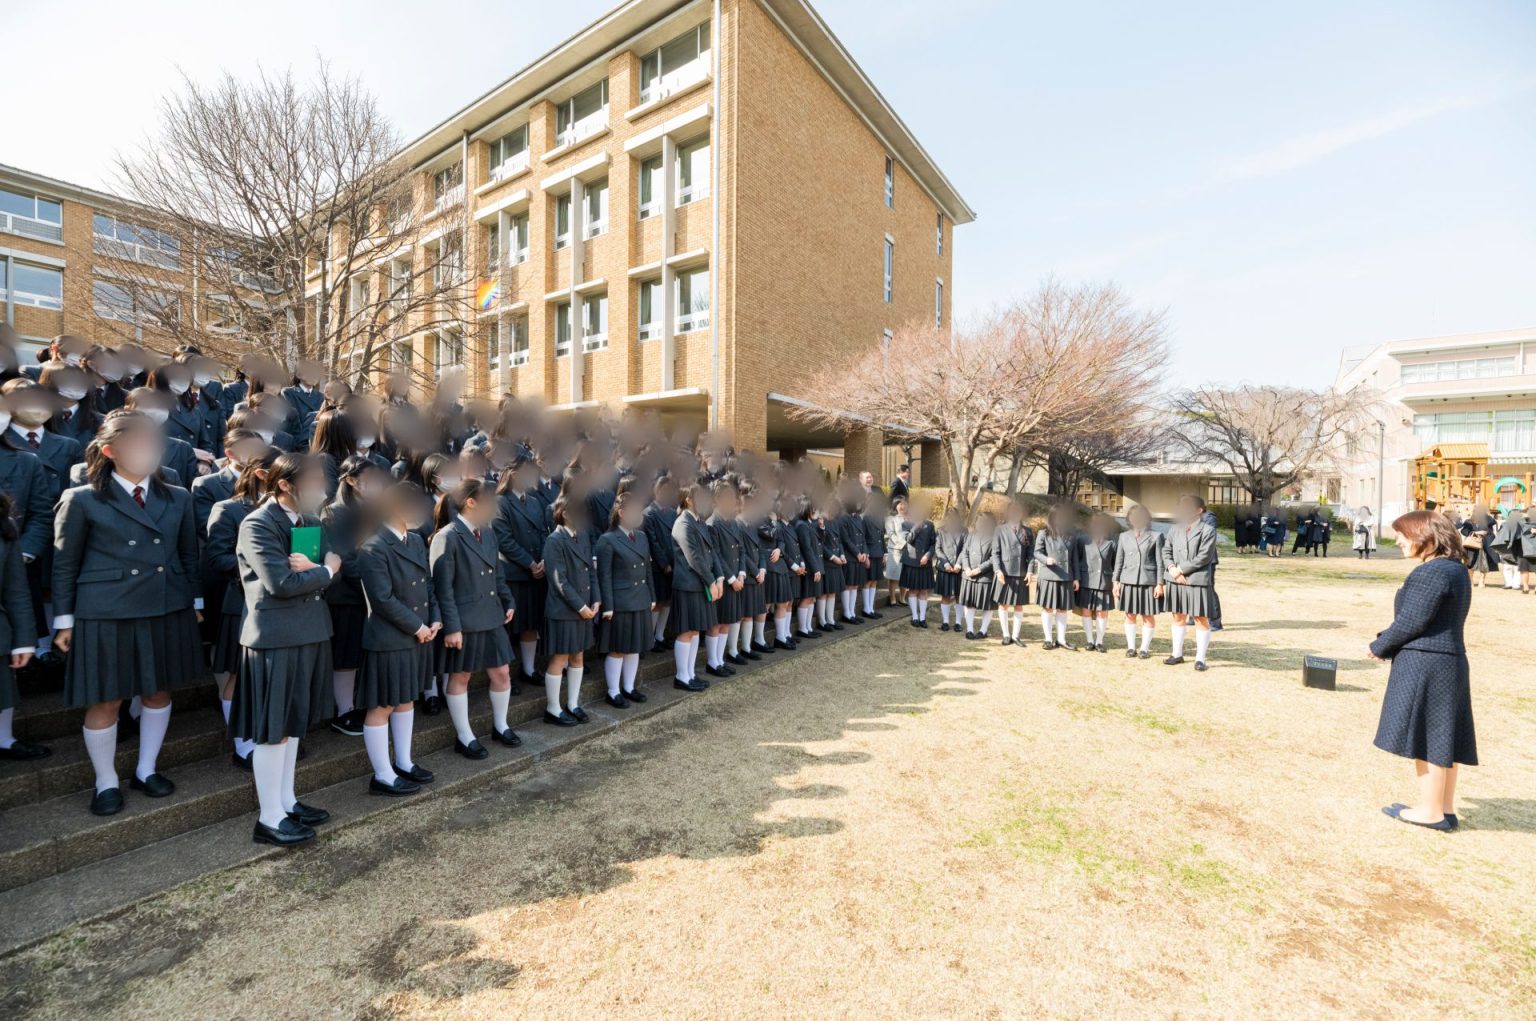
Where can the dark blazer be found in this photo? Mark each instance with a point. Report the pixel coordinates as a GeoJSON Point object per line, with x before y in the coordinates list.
{"type": "Point", "coordinates": [58, 453]}
{"type": "Point", "coordinates": [874, 535]}
{"type": "Point", "coordinates": [18, 625]}
{"type": "Point", "coordinates": [753, 552]}
{"type": "Point", "coordinates": [920, 543]}
{"type": "Point", "coordinates": [520, 534]}
{"type": "Point", "coordinates": [110, 396]}
{"type": "Point", "coordinates": [219, 560]}
{"type": "Point", "coordinates": [693, 557]}
{"type": "Point", "coordinates": [624, 581]}
{"type": "Point", "coordinates": [599, 513]}
{"type": "Point", "coordinates": [33, 491]}
{"type": "Point", "coordinates": [208, 490]}
{"type": "Point", "coordinates": [728, 549]}
{"type": "Point", "coordinates": [1191, 551]}
{"type": "Point", "coordinates": [898, 489]}
{"type": "Point", "coordinates": [1429, 611]}
{"type": "Point", "coordinates": [1013, 552]}
{"type": "Point", "coordinates": [658, 529]}
{"type": "Point", "coordinates": [398, 585]}
{"type": "Point", "coordinates": [828, 540]}
{"type": "Point", "coordinates": [850, 529]}
{"type": "Point", "coordinates": [343, 535]}
{"type": "Point", "coordinates": [201, 425]}
{"type": "Point", "coordinates": [810, 546]}
{"type": "Point", "coordinates": [775, 535]}
{"type": "Point", "coordinates": [301, 421]}
{"type": "Point", "coordinates": [947, 547]}
{"type": "Point", "coordinates": [115, 560]}
{"type": "Point", "coordinates": [1096, 563]}
{"type": "Point", "coordinates": [172, 474]}
{"type": "Point", "coordinates": [81, 426]}
{"type": "Point", "coordinates": [1139, 558]}
{"type": "Point", "coordinates": [471, 593]}
{"type": "Point", "coordinates": [976, 555]}
{"type": "Point", "coordinates": [1060, 548]}
{"type": "Point", "coordinates": [231, 394]}
{"type": "Point", "coordinates": [572, 575]}
{"type": "Point", "coordinates": [284, 608]}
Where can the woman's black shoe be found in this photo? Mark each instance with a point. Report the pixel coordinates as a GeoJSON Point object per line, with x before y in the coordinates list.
{"type": "Point", "coordinates": [827, 629]}
{"type": "Point", "coordinates": [565, 719]}
{"type": "Point", "coordinates": [923, 624]}
{"type": "Point", "coordinates": [416, 774]}
{"type": "Point", "coordinates": [1007, 640]}
{"type": "Point", "coordinates": [507, 737]}
{"type": "Point", "coordinates": [617, 701]}
{"type": "Point", "coordinates": [944, 626]}
{"type": "Point", "coordinates": [578, 713]}
{"type": "Point", "coordinates": [762, 649]}
{"type": "Point", "coordinates": [808, 634]}
{"type": "Point", "coordinates": [398, 788]}
{"type": "Point", "coordinates": [683, 685]}
{"type": "Point", "coordinates": [1443, 826]}
{"type": "Point", "coordinates": [660, 647]}
{"type": "Point", "coordinates": [1200, 665]}
{"type": "Point", "coordinates": [25, 751]}
{"type": "Point", "coordinates": [779, 643]}
{"type": "Point", "coordinates": [735, 660]}
{"type": "Point", "coordinates": [285, 834]}
{"type": "Point", "coordinates": [635, 696]}
{"type": "Point", "coordinates": [1144, 654]}
{"type": "Point", "coordinates": [107, 802]}
{"type": "Point", "coordinates": [1173, 661]}
{"type": "Point", "coordinates": [1050, 645]}
{"type": "Point", "coordinates": [308, 815]}
{"type": "Point", "coordinates": [718, 671]}
{"type": "Point", "coordinates": [1130, 653]}
{"type": "Point", "coordinates": [852, 620]}
{"type": "Point", "coordinates": [473, 750]}
{"type": "Point", "coordinates": [154, 785]}
{"type": "Point", "coordinates": [748, 654]}
{"type": "Point", "coordinates": [240, 761]}
{"type": "Point", "coordinates": [873, 615]}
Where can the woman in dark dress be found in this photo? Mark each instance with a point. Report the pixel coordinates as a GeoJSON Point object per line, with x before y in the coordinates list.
{"type": "Point", "coordinates": [1426, 714]}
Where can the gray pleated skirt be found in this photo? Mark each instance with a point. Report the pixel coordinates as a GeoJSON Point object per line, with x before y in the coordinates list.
{"type": "Point", "coordinates": [627, 631]}
{"type": "Point", "coordinates": [392, 678]}
{"type": "Point", "coordinates": [1190, 600]}
{"type": "Point", "coordinates": [226, 645]}
{"type": "Point", "coordinates": [756, 602]}
{"type": "Point", "coordinates": [1012, 590]}
{"type": "Point", "coordinates": [946, 585]}
{"type": "Point", "coordinates": [1138, 600]}
{"type": "Point", "coordinates": [564, 637]}
{"type": "Point", "coordinates": [1095, 599]}
{"type": "Point", "coordinates": [780, 588]}
{"type": "Point", "coordinates": [918, 578]}
{"type": "Point", "coordinates": [853, 573]}
{"type": "Point", "coordinates": [1056, 596]}
{"type": "Point", "coordinates": [482, 650]}
{"type": "Point", "coordinates": [876, 569]}
{"type": "Point", "coordinates": [691, 611]}
{"type": "Point", "coordinates": [282, 692]}
{"type": "Point", "coordinates": [834, 578]}
{"type": "Point", "coordinates": [979, 593]}
{"type": "Point", "coordinates": [113, 659]}
{"type": "Point", "coordinates": [347, 621]}
{"type": "Point", "coordinates": [731, 606]}
{"type": "Point", "coordinates": [528, 597]}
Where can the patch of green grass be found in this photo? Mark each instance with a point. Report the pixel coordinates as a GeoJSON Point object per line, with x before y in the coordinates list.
{"type": "Point", "coordinates": [1051, 834]}
{"type": "Point", "coordinates": [1136, 717]}
{"type": "Point", "coordinates": [1196, 871]}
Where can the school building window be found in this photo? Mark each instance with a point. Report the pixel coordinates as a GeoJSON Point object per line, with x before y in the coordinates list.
{"type": "Point", "coordinates": [123, 240]}
{"type": "Point", "coordinates": [938, 244]}
{"type": "Point", "coordinates": [1504, 431]}
{"type": "Point", "coordinates": [492, 346]}
{"type": "Point", "coordinates": [31, 216]}
{"type": "Point", "coordinates": [675, 65]}
{"type": "Point", "coordinates": [447, 351]}
{"type": "Point", "coordinates": [938, 303]}
{"type": "Point", "coordinates": [594, 323]}
{"type": "Point", "coordinates": [448, 186]}
{"type": "Point", "coordinates": [693, 172]}
{"type": "Point", "coordinates": [583, 115]}
{"type": "Point", "coordinates": [509, 154]}
{"type": "Point", "coordinates": [890, 183]}
{"type": "Point", "coordinates": [693, 300]}
{"type": "Point", "coordinates": [562, 329]}
{"type": "Point", "coordinates": [597, 209]}
{"type": "Point", "coordinates": [517, 240]}
{"type": "Point", "coordinates": [515, 338]}
{"type": "Point", "coordinates": [890, 265]}
{"type": "Point", "coordinates": [650, 309]}
{"type": "Point", "coordinates": [1461, 368]}
{"type": "Point", "coordinates": [114, 301]}
{"type": "Point", "coordinates": [650, 188]}
{"type": "Point", "coordinates": [562, 221]}
{"type": "Point", "coordinates": [38, 286]}
{"type": "Point", "coordinates": [1225, 491]}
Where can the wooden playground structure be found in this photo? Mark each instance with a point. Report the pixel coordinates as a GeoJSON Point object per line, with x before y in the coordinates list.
{"type": "Point", "coordinates": [1457, 474]}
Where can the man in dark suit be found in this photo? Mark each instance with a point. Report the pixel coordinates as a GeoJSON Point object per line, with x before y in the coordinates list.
{"type": "Point", "coordinates": [902, 486]}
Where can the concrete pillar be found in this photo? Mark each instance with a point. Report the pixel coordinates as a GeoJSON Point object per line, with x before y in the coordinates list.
{"type": "Point", "coordinates": [932, 468]}
{"type": "Point", "coordinates": [861, 452]}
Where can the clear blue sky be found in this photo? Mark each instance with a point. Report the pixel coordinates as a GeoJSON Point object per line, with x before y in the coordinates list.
{"type": "Point", "coordinates": [1286, 180]}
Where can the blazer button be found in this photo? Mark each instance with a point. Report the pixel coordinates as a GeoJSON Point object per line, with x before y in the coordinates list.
{"type": "Point", "coordinates": [161, 570]}
{"type": "Point", "coordinates": [134, 571]}
{"type": "Point", "coordinates": [133, 542]}
{"type": "Point", "coordinates": [157, 542]}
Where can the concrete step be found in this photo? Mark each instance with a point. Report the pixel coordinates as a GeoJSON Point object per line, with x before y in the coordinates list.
{"type": "Point", "coordinates": [44, 716]}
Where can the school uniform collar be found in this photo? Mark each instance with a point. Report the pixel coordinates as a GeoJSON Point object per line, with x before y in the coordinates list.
{"type": "Point", "coordinates": [40, 431]}
{"type": "Point", "coordinates": [129, 487]}
{"type": "Point", "coordinates": [399, 536]}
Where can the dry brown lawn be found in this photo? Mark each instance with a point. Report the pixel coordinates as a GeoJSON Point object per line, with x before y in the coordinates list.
{"type": "Point", "coordinates": [909, 824]}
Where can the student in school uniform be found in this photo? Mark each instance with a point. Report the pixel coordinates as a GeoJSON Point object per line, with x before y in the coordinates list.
{"type": "Point", "coordinates": [221, 570]}
{"type": "Point", "coordinates": [917, 555]}
{"type": "Point", "coordinates": [181, 463]}
{"type": "Point", "coordinates": [1188, 556]}
{"type": "Point", "coordinates": [785, 566]}
{"type": "Point", "coordinates": [32, 406]}
{"type": "Point", "coordinates": [1138, 579]}
{"type": "Point", "coordinates": [107, 386]}
{"type": "Point", "coordinates": [626, 592]}
{"type": "Point", "coordinates": [948, 544]}
{"type": "Point", "coordinates": [726, 542]}
{"type": "Point", "coordinates": [834, 566]}
{"type": "Point", "coordinates": [1012, 558]}
{"type": "Point", "coordinates": [571, 606]}
{"type": "Point", "coordinates": [850, 526]}
{"type": "Point", "coordinates": [334, 441]}
{"type": "Point", "coordinates": [476, 606]}
{"type": "Point", "coordinates": [207, 490]}
{"type": "Point", "coordinates": [873, 513]}
{"type": "Point", "coordinates": [696, 582]}
{"type": "Point", "coordinates": [520, 536]}
{"type": "Point", "coordinates": [754, 619]}
{"type": "Point", "coordinates": [348, 522]}
{"type": "Point", "coordinates": [124, 582]}
{"type": "Point", "coordinates": [1056, 562]}
{"type": "Point", "coordinates": [33, 490]}
{"type": "Point", "coordinates": [18, 633]}
{"type": "Point", "coordinates": [74, 414]}
{"type": "Point", "coordinates": [978, 587]}
{"type": "Point", "coordinates": [284, 682]}
{"type": "Point", "coordinates": [660, 516]}
{"type": "Point", "coordinates": [192, 419]}
{"type": "Point", "coordinates": [402, 624]}
{"type": "Point", "coordinates": [304, 399]}
{"type": "Point", "coordinates": [1096, 578]}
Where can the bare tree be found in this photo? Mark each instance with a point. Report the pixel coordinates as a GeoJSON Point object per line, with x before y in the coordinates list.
{"type": "Point", "coordinates": [275, 216]}
{"type": "Point", "coordinates": [1269, 437]}
{"type": "Point", "coordinates": [1132, 441]}
{"type": "Point", "coordinates": [1027, 376]}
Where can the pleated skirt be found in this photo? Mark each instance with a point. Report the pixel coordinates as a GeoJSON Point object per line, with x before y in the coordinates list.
{"type": "Point", "coordinates": [226, 645]}
{"type": "Point", "coordinates": [392, 678]}
{"type": "Point", "coordinates": [854, 573]}
{"type": "Point", "coordinates": [731, 606]}
{"type": "Point", "coordinates": [979, 593]}
{"type": "Point", "coordinates": [1095, 599]}
{"type": "Point", "coordinates": [834, 578]}
{"type": "Point", "coordinates": [282, 692]}
{"type": "Point", "coordinates": [565, 637]}
{"type": "Point", "coordinates": [347, 621]}
{"type": "Point", "coordinates": [113, 659]}
{"type": "Point", "coordinates": [663, 583]}
{"type": "Point", "coordinates": [1056, 596]}
{"type": "Point", "coordinates": [756, 601]}
{"type": "Point", "coordinates": [1012, 590]}
{"type": "Point", "coordinates": [876, 569]}
{"type": "Point", "coordinates": [627, 631]}
{"type": "Point", "coordinates": [482, 650]}
{"type": "Point", "coordinates": [8, 694]}
{"type": "Point", "coordinates": [946, 585]}
{"type": "Point", "coordinates": [919, 578]}
{"type": "Point", "coordinates": [1427, 710]}
{"type": "Point", "coordinates": [691, 611]}
{"type": "Point", "coordinates": [780, 588]}
{"type": "Point", "coordinates": [528, 597]}
{"type": "Point", "coordinates": [1190, 600]}
{"type": "Point", "coordinates": [1139, 600]}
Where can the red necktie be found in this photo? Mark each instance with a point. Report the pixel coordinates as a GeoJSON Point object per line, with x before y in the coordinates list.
{"type": "Point", "coordinates": [477, 535]}
{"type": "Point", "coordinates": [67, 416]}
{"type": "Point", "coordinates": [138, 496]}
{"type": "Point", "coordinates": [32, 440]}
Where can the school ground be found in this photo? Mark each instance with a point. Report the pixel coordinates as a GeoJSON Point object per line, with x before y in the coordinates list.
{"type": "Point", "coordinates": [909, 824]}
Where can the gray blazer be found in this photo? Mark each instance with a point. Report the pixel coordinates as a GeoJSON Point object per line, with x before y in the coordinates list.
{"type": "Point", "coordinates": [658, 530]}
{"type": "Point", "coordinates": [572, 575]}
{"type": "Point", "coordinates": [397, 583]}
{"type": "Point", "coordinates": [1060, 548]}
{"type": "Point", "coordinates": [1096, 563]}
{"type": "Point", "coordinates": [920, 543]}
{"type": "Point", "coordinates": [976, 555]}
{"type": "Point", "coordinates": [471, 593]}
{"type": "Point", "coordinates": [1012, 551]}
{"type": "Point", "coordinates": [115, 560]}
{"type": "Point", "coordinates": [693, 558]}
{"type": "Point", "coordinates": [1139, 558]}
{"type": "Point", "coordinates": [283, 607]}
{"type": "Point", "coordinates": [947, 547]}
{"type": "Point", "coordinates": [1191, 551]}
{"type": "Point", "coordinates": [726, 541]}
{"type": "Point", "coordinates": [624, 582]}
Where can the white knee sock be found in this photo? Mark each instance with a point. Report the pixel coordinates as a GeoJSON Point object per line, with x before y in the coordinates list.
{"type": "Point", "coordinates": [869, 599]}
{"type": "Point", "coordinates": [922, 608]}
{"type": "Point", "coordinates": [733, 639]}
{"type": "Point", "coordinates": [1045, 624]}
{"type": "Point", "coordinates": [660, 619]}
{"type": "Point", "coordinates": [267, 770]}
{"type": "Point", "coordinates": [969, 613]}
{"type": "Point", "coordinates": [153, 724]}
{"type": "Point", "coordinates": [986, 622]}
{"type": "Point", "coordinates": [1146, 637]}
{"type": "Point", "coordinates": [1130, 634]}
{"type": "Point", "coordinates": [912, 605]}
{"type": "Point", "coordinates": [458, 712]}
{"type": "Point", "coordinates": [693, 656]}
{"type": "Point", "coordinates": [376, 740]}
{"type": "Point", "coordinates": [802, 619]}
{"type": "Point", "coordinates": [400, 727]}
{"type": "Point", "coordinates": [1018, 624]}
{"type": "Point", "coordinates": [631, 668]}
{"type": "Point", "coordinates": [573, 686]}
{"type": "Point", "coordinates": [781, 628]}
{"type": "Point", "coordinates": [528, 650]}
{"type": "Point", "coordinates": [432, 688]}
{"type": "Point", "coordinates": [1178, 640]}
{"type": "Point", "coordinates": [290, 768]}
{"type": "Point", "coordinates": [341, 687]}
{"type": "Point", "coordinates": [944, 612]}
{"type": "Point", "coordinates": [500, 700]}
{"type": "Point", "coordinates": [243, 747]}
{"type": "Point", "coordinates": [552, 694]}
{"type": "Point", "coordinates": [1061, 629]}
{"type": "Point", "coordinates": [7, 738]}
{"type": "Point", "coordinates": [225, 705]}
{"type": "Point", "coordinates": [613, 668]}
{"type": "Point", "coordinates": [849, 595]}
{"type": "Point", "coordinates": [760, 631]}
{"type": "Point", "coordinates": [101, 746]}
{"type": "Point", "coordinates": [1202, 643]}
{"type": "Point", "coordinates": [680, 659]}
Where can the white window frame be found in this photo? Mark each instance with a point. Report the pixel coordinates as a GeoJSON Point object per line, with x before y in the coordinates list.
{"type": "Point", "coordinates": [449, 341]}
{"type": "Point", "coordinates": [32, 299]}
{"type": "Point", "coordinates": [124, 239]}
{"type": "Point", "coordinates": [569, 129]}
{"type": "Point", "coordinates": [595, 222]}
{"type": "Point", "coordinates": [939, 238]}
{"type": "Point", "coordinates": [517, 343]}
{"type": "Point", "coordinates": [938, 303]}
{"type": "Point", "coordinates": [563, 239]}
{"type": "Point", "coordinates": [698, 188]}
{"type": "Point", "coordinates": [36, 225]}
{"type": "Point", "coordinates": [492, 345]}
{"type": "Point", "coordinates": [517, 239]}
{"type": "Point", "coordinates": [659, 80]}
{"type": "Point", "coordinates": [594, 335]}
{"type": "Point", "coordinates": [504, 160]}
{"type": "Point", "coordinates": [563, 325]}
{"type": "Point", "coordinates": [890, 268]}
{"type": "Point", "coordinates": [650, 179]}
{"type": "Point", "coordinates": [492, 238]}
{"type": "Point", "coordinates": [890, 182]}
{"type": "Point", "coordinates": [448, 186]}
{"type": "Point", "coordinates": [692, 301]}
{"type": "Point", "coordinates": [649, 294]}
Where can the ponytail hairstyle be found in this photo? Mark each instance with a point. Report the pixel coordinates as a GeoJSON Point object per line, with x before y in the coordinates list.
{"type": "Point", "coordinates": [116, 426]}
{"type": "Point", "coordinates": [288, 468]}
{"type": "Point", "coordinates": [251, 486]}
{"type": "Point", "coordinates": [355, 467]}
{"type": "Point", "coordinates": [7, 523]}
{"type": "Point", "coordinates": [452, 503]}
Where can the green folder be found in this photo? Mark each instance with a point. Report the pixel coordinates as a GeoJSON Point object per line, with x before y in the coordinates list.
{"type": "Point", "coordinates": [306, 540]}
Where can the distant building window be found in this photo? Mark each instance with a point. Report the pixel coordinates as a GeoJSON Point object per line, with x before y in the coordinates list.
{"type": "Point", "coordinates": [938, 303]}
{"type": "Point", "coordinates": [583, 115]}
{"type": "Point", "coordinates": [122, 240]}
{"type": "Point", "coordinates": [939, 236]}
{"type": "Point", "coordinates": [693, 172]}
{"type": "Point", "coordinates": [890, 182]}
{"type": "Point", "coordinates": [1461, 368]}
{"type": "Point", "coordinates": [1505, 432]}
{"type": "Point", "coordinates": [516, 338]}
{"type": "Point", "coordinates": [675, 65]}
{"type": "Point", "coordinates": [492, 235]}
{"type": "Point", "coordinates": [650, 188]}
{"type": "Point", "coordinates": [1225, 491]}
{"type": "Point", "coordinates": [890, 267]}
{"type": "Point", "coordinates": [562, 221]}
{"type": "Point", "coordinates": [38, 286]}
{"type": "Point", "coordinates": [509, 154]}
{"type": "Point", "coordinates": [594, 323]}
{"type": "Point", "coordinates": [517, 240]}
{"type": "Point", "coordinates": [596, 196]}
{"type": "Point", "coordinates": [31, 216]}
{"type": "Point", "coordinates": [562, 329]}
{"type": "Point", "coordinates": [145, 308]}
{"type": "Point", "coordinates": [448, 186]}
{"type": "Point", "coordinates": [650, 309]}
{"type": "Point", "coordinates": [693, 301]}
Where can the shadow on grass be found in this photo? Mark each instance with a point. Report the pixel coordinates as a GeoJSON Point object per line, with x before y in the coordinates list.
{"type": "Point", "coordinates": [1286, 625]}
{"type": "Point", "coordinates": [1262, 657]}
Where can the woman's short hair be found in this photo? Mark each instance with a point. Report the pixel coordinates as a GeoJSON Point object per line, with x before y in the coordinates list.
{"type": "Point", "coordinates": [1429, 534]}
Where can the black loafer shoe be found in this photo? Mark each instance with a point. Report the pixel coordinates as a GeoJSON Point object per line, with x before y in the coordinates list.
{"type": "Point", "coordinates": [430, 706]}
{"type": "Point", "coordinates": [635, 696]}
{"type": "Point", "coordinates": [852, 620]}
{"type": "Point", "coordinates": [398, 788]}
{"type": "Point", "coordinates": [127, 726]}
{"type": "Point", "coordinates": [944, 627]}
{"type": "Point", "coordinates": [1130, 653]}
{"type": "Point", "coordinates": [1200, 665]}
{"type": "Point", "coordinates": [308, 815]}
{"type": "Point", "coordinates": [1173, 661]}
{"type": "Point", "coordinates": [682, 685]}
{"type": "Point", "coordinates": [1007, 640]}
{"type": "Point", "coordinates": [416, 774]}
{"type": "Point", "coordinates": [578, 714]}
{"type": "Point", "coordinates": [748, 654]}
{"type": "Point", "coordinates": [827, 629]}
{"type": "Point", "coordinates": [107, 802]}
{"type": "Point", "coordinates": [1396, 812]}
{"type": "Point", "coordinates": [286, 834]}
{"type": "Point", "coordinates": [660, 647]}
{"type": "Point", "coordinates": [734, 660]}
{"type": "Point", "coordinates": [807, 634]}
{"type": "Point", "coordinates": [779, 643]}
{"type": "Point", "coordinates": [617, 701]}
{"type": "Point", "coordinates": [1144, 655]}
{"type": "Point", "coordinates": [155, 785]}
{"type": "Point", "coordinates": [1050, 645]}
{"type": "Point", "coordinates": [240, 761]}
{"type": "Point", "coordinates": [25, 751]}
{"type": "Point", "coordinates": [473, 750]}
{"type": "Point", "coordinates": [1450, 817]}
{"type": "Point", "coordinates": [349, 723]}
{"type": "Point", "coordinates": [716, 671]}
{"type": "Point", "coordinates": [873, 615]}
{"type": "Point", "coordinates": [507, 737]}
{"type": "Point", "coordinates": [761, 649]}
{"type": "Point", "coordinates": [565, 719]}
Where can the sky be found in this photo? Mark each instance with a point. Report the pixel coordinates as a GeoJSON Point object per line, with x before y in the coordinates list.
{"type": "Point", "coordinates": [1284, 181]}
